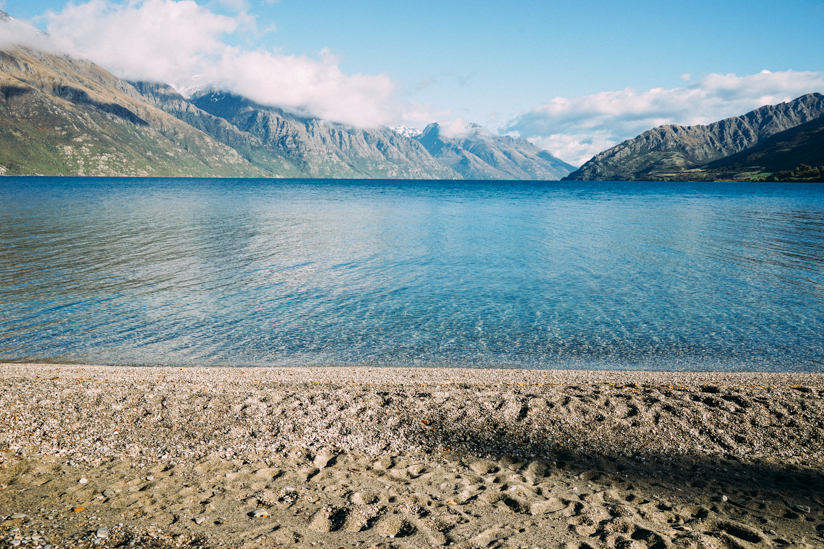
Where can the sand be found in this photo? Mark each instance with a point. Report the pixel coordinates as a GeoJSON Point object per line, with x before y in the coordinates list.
{"type": "Point", "coordinates": [360, 457]}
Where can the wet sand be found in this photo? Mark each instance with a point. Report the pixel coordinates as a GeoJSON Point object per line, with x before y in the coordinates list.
{"type": "Point", "coordinates": [360, 457]}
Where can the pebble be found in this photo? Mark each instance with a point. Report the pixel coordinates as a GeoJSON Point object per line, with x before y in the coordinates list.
{"type": "Point", "coordinates": [83, 480]}
{"type": "Point", "coordinates": [260, 513]}
{"type": "Point", "coordinates": [17, 516]}
{"type": "Point", "coordinates": [390, 526]}
{"type": "Point", "coordinates": [102, 533]}
{"type": "Point", "coordinates": [108, 493]}
{"type": "Point", "coordinates": [483, 467]}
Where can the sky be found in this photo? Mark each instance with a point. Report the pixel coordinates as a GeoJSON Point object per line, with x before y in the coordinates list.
{"type": "Point", "coordinates": [572, 77]}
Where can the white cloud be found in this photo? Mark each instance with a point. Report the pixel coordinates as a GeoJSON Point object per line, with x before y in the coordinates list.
{"type": "Point", "coordinates": [456, 128]}
{"type": "Point", "coordinates": [583, 126]}
{"type": "Point", "coordinates": [305, 85]}
{"type": "Point", "coordinates": [18, 33]}
{"type": "Point", "coordinates": [162, 40]}
{"type": "Point", "coordinates": [574, 148]}
{"type": "Point", "coordinates": [183, 44]}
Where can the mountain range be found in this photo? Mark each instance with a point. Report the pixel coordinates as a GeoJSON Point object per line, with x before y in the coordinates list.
{"type": "Point", "coordinates": [61, 115]}
{"type": "Point", "coordinates": [480, 154]}
{"type": "Point", "coordinates": [65, 116]}
{"type": "Point", "coordinates": [752, 146]}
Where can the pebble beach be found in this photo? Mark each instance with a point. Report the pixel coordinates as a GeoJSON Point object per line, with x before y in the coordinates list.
{"type": "Point", "coordinates": [96, 456]}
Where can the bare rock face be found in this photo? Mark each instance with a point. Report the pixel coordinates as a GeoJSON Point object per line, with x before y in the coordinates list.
{"type": "Point", "coordinates": [320, 148]}
{"type": "Point", "coordinates": [782, 157]}
{"type": "Point", "coordinates": [667, 152]}
{"type": "Point", "coordinates": [65, 116]}
{"type": "Point", "coordinates": [480, 154]}
{"type": "Point", "coordinates": [247, 145]}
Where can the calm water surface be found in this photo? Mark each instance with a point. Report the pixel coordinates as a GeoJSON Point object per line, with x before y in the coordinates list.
{"type": "Point", "coordinates": [536, 275]}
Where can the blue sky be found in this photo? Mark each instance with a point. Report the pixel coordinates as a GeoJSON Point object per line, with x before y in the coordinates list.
{"type": "Point", "coordinates": [573, 77]}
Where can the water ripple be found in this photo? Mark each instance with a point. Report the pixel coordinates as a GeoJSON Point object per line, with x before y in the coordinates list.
{"type": "Point", "coordinates": [536, 275]}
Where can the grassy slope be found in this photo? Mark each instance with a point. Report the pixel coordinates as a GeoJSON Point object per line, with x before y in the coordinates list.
{"type": "Point", "coordinates": [61, 117]}
{"type": "Point", "coordinates": [783, 152]}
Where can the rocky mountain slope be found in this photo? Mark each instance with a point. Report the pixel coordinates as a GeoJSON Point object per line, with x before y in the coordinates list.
{"type": "Point", "coordinates": [320, 148]}
{"type": "Point", "coordinates": [247, 145]}
{"type": "Point", "coordinates": [480, 154]}
{"type": "Point", "coordinates": [671, 152]}
{"type": "Point", "coordinates": [783, 152]}
{"type": "Point", "coordinates": [64, 116]}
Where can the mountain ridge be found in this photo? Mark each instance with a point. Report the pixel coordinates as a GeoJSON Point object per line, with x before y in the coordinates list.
{"type": "Point", "coordinates": [61, 115]}
{"type": "Point", "coordinates": [669, 151]}
{"type": "Point", "coordinates": [325, 149]}
{"type": "Point", "coordinates": [787, 151]}
{"type": "Point", "coordinates": [479, 154]}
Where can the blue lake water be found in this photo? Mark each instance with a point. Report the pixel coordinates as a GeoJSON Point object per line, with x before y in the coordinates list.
{"type": "Point", "coordinates": [656, 276]}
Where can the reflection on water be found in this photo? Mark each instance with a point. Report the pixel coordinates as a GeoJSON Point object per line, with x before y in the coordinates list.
{"type": "Point", "coordinates": [536, 275]}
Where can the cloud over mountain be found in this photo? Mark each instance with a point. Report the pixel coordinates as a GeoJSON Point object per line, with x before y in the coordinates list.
{"type": "Point", "coordinates": [189, 46]}
{"type": "Point", "coordinates": [18, 33]}
{"type": "Point", "coordinates": [577, 128]}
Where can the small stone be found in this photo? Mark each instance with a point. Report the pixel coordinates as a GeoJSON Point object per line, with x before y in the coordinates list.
{"type": "Point", "coordinates": [102, 533]}
{"type": "Point", "coordinates": [724, 498]}
{"type": "Point", "coordinates": [390, 526]}
{"type": "Point", "coordinates": [83, 480]}
{"type": "Point", "coordinates": [17, 516]}
{"type": "Point", "coordinates": [483, 467]}
{"type": "Point", "coordinates": [363, 498]}
{"type": "Point", "coordinates": [108, 493]}
{"type": "Point", "coordinates": [150, 478]}
{"type": "Point", "coordinates": [324, 459]}
{"type": "Point", "coordinates": [15, 542]}
{"type": "Point", "coordinates": [199, 520]}
{"type": "Point", "coordinates": [260, 513]}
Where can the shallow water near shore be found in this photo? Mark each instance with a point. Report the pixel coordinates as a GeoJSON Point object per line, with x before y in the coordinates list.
{"type": "Point", "coordinates": [655, 276]}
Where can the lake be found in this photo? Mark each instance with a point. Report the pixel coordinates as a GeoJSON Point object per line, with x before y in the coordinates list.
{"type": "Point", "coordinates": [230, 272]}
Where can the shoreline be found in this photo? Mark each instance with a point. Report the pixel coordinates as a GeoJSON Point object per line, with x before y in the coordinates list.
{"type": "Point", "coordinates": [387, 374]}
{"type": "Point", "coordinates": [410, 457]}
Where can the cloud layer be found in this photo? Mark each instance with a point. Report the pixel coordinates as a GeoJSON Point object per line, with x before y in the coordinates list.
{"type": "Point", "coordinates": [17, 33]}
{"type": "Point", "coordinates": [186, 45]}
{"type": "Point", "coordinates": [575, 129]}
